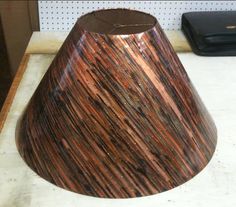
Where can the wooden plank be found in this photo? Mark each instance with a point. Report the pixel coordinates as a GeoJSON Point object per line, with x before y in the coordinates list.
{"type": "Point", "coordinates": [33, 15]}
{"type": "Point", "coordinates": [5, 75]}
{"type": "Point", "coordinates": [17, 30]}
{"type": "Point", "coordinates": [13, 89]}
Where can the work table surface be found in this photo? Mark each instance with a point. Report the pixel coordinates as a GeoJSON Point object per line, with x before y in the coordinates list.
{"type": "Point", "coordinates": [215, 81]}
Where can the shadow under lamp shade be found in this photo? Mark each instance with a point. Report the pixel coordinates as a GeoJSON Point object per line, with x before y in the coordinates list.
{"type": "Point", "coordinates": [116, 115]}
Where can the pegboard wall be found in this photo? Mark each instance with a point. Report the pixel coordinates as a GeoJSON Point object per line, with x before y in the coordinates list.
{"type": "Point", "coordinates": [61, 15]}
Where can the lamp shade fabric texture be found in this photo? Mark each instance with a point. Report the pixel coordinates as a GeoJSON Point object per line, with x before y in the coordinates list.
{"type": "Point", "coordinates": [116, 115]}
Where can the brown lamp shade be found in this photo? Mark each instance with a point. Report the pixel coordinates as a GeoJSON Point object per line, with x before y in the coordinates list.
{"type": "Point", "coordinates": [116, 115]}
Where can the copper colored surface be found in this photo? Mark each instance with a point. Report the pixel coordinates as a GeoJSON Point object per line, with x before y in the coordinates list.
{"type": "Point", "coordinates": [116, 114]}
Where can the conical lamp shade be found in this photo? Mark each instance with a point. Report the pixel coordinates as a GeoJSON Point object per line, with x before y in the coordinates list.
{"type": "Point", "coordinates": [116, 115]}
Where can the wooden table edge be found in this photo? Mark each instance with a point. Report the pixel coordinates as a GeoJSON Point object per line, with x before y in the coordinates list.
{"type": "Point", "coordinates": [12, 91]}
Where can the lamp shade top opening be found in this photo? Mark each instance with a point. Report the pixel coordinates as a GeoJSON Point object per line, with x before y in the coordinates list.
{"type": "Point", "coordinates": [117, 21]}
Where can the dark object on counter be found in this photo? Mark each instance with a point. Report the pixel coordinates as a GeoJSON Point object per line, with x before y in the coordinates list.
{"type": "Point", "coordinates": [211, 33]}
{"type": "Point", "coordinates": [116, 115]}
